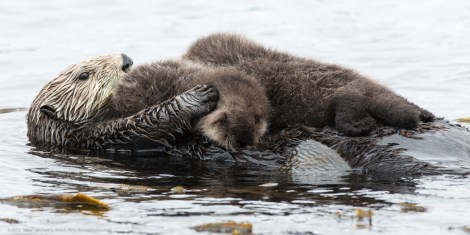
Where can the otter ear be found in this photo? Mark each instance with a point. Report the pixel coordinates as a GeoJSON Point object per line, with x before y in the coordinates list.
{"type": "Point", "coordinates": [48, 110]}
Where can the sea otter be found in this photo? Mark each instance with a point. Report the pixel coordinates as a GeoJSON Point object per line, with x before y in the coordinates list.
{"type": "Point", "coordinates": [308, 92]}
{"type": "Point", "coordinates": [84, 117]}
{"type": "Point", "coordinates": [101, 103]}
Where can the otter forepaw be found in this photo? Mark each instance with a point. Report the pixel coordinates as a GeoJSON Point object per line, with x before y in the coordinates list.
{"type": "Point", "coordinates": [202, 99]}
{"type": "Point", "coordinates": [357, 127]}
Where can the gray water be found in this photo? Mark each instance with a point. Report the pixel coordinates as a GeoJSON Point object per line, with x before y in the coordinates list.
{"type": "Point", "coordinates": [420, 49]}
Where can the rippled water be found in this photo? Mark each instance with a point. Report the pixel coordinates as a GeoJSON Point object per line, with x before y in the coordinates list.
{"type": "Point", "coordinates": [421, 49]}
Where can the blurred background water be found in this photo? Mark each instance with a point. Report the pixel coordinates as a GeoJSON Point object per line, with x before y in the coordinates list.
{"type": "Point", "coordinates": [420, 49]}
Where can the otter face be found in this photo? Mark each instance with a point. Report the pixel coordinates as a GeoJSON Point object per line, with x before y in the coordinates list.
{"type": "Point", "coordinates": [237, 121]}
{"type": "Point", "coordinates": [78, 93]}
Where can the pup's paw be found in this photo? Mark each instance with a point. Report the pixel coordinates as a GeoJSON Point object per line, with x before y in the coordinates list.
{"type": "Point", "coordinates": [357, 127]}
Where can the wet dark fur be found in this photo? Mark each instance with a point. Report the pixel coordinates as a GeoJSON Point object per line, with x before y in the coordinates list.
{"type": "Point", "coordinates": [242, 97]}
{"type": "Point", "coordinates": [155, 126]}
{"type": "Point", "coordinates": [366, 154]}
{"type": "Point", "coordinates": [308, 92]}
{"type": "Point", "coordinates": [75, 110]}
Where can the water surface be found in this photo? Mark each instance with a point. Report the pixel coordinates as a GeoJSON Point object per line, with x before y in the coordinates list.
{"type": "Point", "coordinates": [421, 49]}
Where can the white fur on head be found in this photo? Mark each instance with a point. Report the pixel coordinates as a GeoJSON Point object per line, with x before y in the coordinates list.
{"type": "Point", "coordinates": [74, 100]}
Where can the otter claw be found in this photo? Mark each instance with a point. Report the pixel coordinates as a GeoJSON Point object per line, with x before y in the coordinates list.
{"type": "Point", "coordinates": [203, 100]}
{"type": "Point", "coordinates": [206, 93]}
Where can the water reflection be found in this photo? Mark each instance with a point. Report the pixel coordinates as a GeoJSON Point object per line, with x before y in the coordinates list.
{"type": "Point", "coordinates": [209, 179]}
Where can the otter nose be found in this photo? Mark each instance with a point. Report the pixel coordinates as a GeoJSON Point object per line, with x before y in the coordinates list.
{"type": "Point", "coordinates": [244, 139]}
{"type": "Point", "coordinates": [244, 142]}
{"type": "Point", "coordinates": [126, 62]}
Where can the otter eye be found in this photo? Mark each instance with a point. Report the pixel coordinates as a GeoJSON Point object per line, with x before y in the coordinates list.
{"type": "Point", "coordinates": [84, 76]}
{"type": "Point", "coordinates": [223, 121]}
{"type": "Point", "coordinates": [257, 119]}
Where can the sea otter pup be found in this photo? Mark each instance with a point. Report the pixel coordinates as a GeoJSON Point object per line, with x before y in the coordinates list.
{"type": "Point", "coordinates": [240, 118]}
{"type": "Point", "coordinates": [305, 91]}
{"type": "Point", "coordinates": [99, 104]}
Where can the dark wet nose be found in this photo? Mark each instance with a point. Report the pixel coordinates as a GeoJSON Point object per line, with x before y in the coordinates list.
{"type": "Point", "coordinates": [244, 139]}
{"type": "Point", "coordinates": [126, 62]}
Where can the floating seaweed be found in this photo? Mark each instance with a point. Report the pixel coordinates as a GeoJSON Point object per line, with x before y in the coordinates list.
{"type": "Point", "coordinates": [467, 120]}
{"type": "Point", "coordinates": [178, 190]}
{"type": "Point", "coordinates": [363, 214]}
{"type": "Point", "coordinates": [127, 189]}
{"type": "Point", "coordinates": [78, 201]}
{"type": "Point", "coordinates": [411, 207]}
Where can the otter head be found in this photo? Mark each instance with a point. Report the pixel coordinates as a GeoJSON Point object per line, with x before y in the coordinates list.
{"type": "Point", "coordinates": [79, 93]}
{"type": "Point", "coordinates": [241, 116]}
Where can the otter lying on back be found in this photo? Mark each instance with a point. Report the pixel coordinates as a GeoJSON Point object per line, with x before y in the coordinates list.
{"type": "Point", "coordinates": [304, 91]}
{"type": "Point", "coordinates": [73, 110]}
{"type": "Point", "coordinates": [99, 104]}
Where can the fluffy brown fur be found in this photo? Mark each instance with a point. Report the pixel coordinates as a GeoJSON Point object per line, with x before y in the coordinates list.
{"type": "Point", "coordinates": [308, 92]}
{"type": "Point", "coordinates": [240, 118]}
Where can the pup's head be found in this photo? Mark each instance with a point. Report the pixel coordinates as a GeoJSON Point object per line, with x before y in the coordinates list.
{"type": "Point", "coordinates": [242, 113]}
